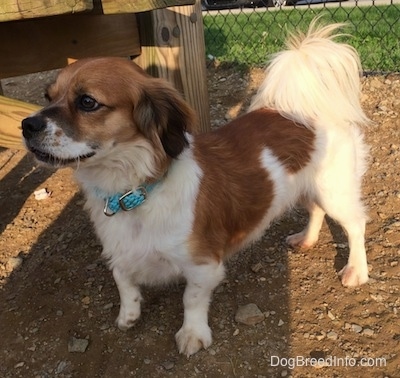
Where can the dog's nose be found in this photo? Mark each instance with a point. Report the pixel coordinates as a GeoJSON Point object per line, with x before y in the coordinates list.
{"type": "Point", "coordinates": [31, 126]}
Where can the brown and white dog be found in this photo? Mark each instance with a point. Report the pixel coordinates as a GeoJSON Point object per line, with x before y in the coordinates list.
{"type": "Point", "coordinates": [168, 204]}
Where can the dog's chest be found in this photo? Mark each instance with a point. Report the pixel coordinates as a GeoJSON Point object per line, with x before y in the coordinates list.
{"type": "Point", "coordinates": [150, 241]}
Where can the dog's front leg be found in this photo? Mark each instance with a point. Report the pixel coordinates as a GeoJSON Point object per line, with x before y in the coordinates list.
{"type": "Point", "coordinates": [195, 332]}
{"type": "Point", "coordinates": [130, 298]}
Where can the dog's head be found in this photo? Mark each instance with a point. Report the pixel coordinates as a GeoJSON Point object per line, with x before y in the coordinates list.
{"type": "Point", "coordinates": [98, 105]}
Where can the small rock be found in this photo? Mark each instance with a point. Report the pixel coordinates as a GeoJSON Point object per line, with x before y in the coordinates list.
{"type": "Point", "coordinates": [91, 266]}
{"type": "Point", "coordinates": [320, 336]}
{"type": "Point", "coordinates": [41, 194]}
{"type": "Point", "coordinates": [228, 116]}
{"type": "Point", "coordinates": [19, 365]}
{"type": "Point", "coordinates": [368, 332]}
{"type": "Point", "coordinates": [220, 289]}
{"type": "Point", "coordinates": [77, 345]}
{"type": "Point", "coordinates": [319, 365]}
{"type": "Point", "coordinates": [13, 263]}
{"type": "Point", "coordinates": [108, 306]}
{"type": "Point", "coordinates": [212, 352]}
{"type": "Point", "coordinates": [85, 300]}
{"type": "Point", "coordinates": [356, 328]}
{"type": "Point", "coordinates": [256, 267]}
{"type": "Point", "coordinates": [61, 367]}
{"type": "Point", "coordinates": [168, 365]}
{"type": "Point", "coordinates": [249, 314]}
{"type": "Point", "coordinates": [331, 316]}
{"type": "Point", "coordinates": [382, 215]}
{"type": "Point", "coordinates": [377, 297]}
{"type": "Point", "coordinates": [281, 323]}
{"type": "Point", "coordinates": [376, 83]}
{"type": "Point", "coordinates": [332, 335]}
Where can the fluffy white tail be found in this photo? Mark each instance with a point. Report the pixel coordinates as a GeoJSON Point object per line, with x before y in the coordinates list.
{"type": "Point", "coordinates": [316, 81]}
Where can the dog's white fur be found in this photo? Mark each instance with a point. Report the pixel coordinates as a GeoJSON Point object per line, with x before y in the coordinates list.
{"type": "Point", "coordinates": [314, 83]}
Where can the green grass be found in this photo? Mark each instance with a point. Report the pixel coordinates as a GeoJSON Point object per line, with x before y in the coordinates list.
{"type": "Point", "coordinates": [247, 39]}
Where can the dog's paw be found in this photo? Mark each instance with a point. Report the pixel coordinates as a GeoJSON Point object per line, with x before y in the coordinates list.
{"type": "Point", "coordinates": [351, 276]}
{"type": "Point", "coordinates": [191, 339]}
{"type": "Point", "coordinates": [127, 320]}
{"type": "Point", "coordinates": [300, 241]}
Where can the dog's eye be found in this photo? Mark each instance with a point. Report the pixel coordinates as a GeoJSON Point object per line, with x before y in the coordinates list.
{"type": "Point", "coordinates": [87, 103]}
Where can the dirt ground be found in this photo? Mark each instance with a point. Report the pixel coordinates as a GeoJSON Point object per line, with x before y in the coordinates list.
{"type": "Point", "coordinates": [59, 301]}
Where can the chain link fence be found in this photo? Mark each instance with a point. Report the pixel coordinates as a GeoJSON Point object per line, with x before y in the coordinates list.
{"type": "Point", "coordinates": [249, 34]}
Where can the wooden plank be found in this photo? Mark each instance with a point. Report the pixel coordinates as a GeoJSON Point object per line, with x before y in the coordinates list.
{"type": "Point", "coordinates": [173, 48]}
{"type": "Point", "coordinates": [52, 40]}
{"type": "Point", "coordinates": [134, 6]}
{"type": "Point", "coordinates": [12, 112]}
{"type": "Point", "coordinates": [22, 9]}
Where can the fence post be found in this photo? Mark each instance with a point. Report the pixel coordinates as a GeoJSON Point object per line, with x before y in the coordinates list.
{"type": "Point", "coordinates": [172, 41]}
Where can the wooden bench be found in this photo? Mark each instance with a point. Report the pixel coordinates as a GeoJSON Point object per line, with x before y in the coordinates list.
{"type": "Point", "coordinates": [165, 37]}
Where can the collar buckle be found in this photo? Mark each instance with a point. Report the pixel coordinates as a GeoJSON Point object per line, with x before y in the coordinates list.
{"type": "Point", "coordinates": [132, 198]}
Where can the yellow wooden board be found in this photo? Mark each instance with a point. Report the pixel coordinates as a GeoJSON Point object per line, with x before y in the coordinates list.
{"type": "Point", "coordinates": [12, 112]}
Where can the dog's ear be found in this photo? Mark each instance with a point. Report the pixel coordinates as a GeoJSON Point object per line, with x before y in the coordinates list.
{"type": "Point", "coordinates": [162, 113]}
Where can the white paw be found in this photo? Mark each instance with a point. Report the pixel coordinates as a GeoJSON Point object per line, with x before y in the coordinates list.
{"type": "Point", "coordinates": [191, 339]}
{"type": "Point", "coordinates": [351, 276]}
{"type": "Point", "coordinates": [127, 319]}
{"type": "Point", "coordinates": [300, 240]}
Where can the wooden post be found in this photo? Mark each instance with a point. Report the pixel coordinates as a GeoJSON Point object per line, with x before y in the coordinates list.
{"type": "Point", "coordinates": [173, 48]}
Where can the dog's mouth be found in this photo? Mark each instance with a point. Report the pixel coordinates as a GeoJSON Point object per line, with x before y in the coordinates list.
{"type": "Point", "coordinates": [56, 161]}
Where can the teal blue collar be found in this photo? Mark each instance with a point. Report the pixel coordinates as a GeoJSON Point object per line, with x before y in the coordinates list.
{"type": "Point", "coordinates": [127, 201]}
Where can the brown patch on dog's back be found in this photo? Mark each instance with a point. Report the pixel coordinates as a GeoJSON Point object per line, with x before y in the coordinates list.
{"type": "Point", "coordinates": [236, 191]}
{"type": "Point", "coordinates": [292, 143]}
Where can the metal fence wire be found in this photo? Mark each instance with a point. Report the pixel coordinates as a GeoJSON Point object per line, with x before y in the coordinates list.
{"type": "Point", "coordinates": [248, 35]}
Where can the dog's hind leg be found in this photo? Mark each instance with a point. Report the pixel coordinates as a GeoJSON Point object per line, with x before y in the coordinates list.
{"type": "Point", "coordinates": [356, 271]}
{"type": "Point", "coordinates": [201, 281]}
{"type": "Point", "coordinates": [309, 236]}
{"type": "Point", "coordinates": [129, 311]}
{"type": "Point", "coordinates": [348, 211]}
